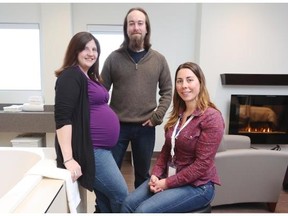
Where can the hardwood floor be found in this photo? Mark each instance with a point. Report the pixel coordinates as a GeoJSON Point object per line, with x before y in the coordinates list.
{"type": "Point", "coordinates": [281, 207]}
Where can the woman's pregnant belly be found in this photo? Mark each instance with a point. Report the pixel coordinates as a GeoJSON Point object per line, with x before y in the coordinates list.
{"type": "Point", "coordinates": [104, 127]}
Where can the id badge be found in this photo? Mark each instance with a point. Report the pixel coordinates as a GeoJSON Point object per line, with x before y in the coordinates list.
{"type": "Point", "coordinates": [171, 170]}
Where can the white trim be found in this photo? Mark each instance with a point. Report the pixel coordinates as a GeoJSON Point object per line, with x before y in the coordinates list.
{"type": "Point", "coordinates": [105, 28]}
{"type": "Point", "coordinates": [19, 26]}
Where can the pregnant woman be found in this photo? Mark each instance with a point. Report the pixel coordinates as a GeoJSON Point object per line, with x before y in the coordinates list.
{"type": "Point", "coordinates": [86, 127]}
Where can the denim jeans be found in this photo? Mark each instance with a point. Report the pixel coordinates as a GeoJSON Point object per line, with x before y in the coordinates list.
{"type": "Point", "coordinates": [142, 139]}
{"type": "Point", "coordinates": [110, 187]}
{"type": "Point", "coordinates": [175, 200]}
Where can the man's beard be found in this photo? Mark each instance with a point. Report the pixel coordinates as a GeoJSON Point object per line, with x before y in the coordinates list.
{"type": "Point", "coordinates": [136, 43]}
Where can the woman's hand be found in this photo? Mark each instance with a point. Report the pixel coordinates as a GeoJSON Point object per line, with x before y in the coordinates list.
{"type": "Point", "coordinates": [74, 168]}
{"type": "Point", "coordinates": [157, 185]}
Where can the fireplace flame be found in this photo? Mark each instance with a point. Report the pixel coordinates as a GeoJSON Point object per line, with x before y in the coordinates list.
{"type": "Point", "coordinates": [257, 130]}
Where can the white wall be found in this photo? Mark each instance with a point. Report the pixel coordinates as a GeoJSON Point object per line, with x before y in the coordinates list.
{"type": "Point", "coordinates": [222, 38]}
{"type": "Point", "coordinates": [56, 31]}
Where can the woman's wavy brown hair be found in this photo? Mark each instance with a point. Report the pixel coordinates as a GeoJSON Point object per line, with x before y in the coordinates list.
{"type": "Point", "coordinates": [203, 99]}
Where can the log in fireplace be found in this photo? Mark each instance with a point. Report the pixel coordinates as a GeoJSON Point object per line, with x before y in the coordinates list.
{"type": "Point", "coordinates": [264, 118]}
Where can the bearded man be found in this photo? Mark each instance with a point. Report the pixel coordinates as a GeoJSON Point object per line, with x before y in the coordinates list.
{"type": "Point", "coordinates": [136, 71]}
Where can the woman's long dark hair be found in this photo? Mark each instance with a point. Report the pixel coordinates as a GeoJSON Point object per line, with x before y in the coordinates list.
{"type": "Point", "coordinates": [76, 45]}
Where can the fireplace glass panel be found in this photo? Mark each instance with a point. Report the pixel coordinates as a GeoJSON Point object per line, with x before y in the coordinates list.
{"type": "Point", "coordinates": [264, 118]}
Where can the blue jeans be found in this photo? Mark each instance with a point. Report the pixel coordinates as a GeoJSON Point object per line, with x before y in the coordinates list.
{"type": "Point", "coordinates": [175, 200]}
{"type": "Point", "coordinates": [142, 140]}
{"type": "Point", "coordinates": [110, 187]}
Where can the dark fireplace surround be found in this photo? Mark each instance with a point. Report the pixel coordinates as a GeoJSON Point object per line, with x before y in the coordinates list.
{"type": "Point", "coordinates": [264, 118]}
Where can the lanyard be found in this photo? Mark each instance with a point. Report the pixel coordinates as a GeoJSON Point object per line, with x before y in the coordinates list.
{"type": "Point", "coordinates": [176, 133]}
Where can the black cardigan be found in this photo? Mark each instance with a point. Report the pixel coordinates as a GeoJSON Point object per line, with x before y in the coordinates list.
{"type": "Point", "coordinates": [72, 108]}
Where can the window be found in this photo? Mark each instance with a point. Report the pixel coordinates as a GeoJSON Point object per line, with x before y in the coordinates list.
{"type": "Point", "coordinates": [110, 38]}
{"type": "Point", "coordinates": [20, 61]}
{"type": "Point", "coordinates": [20, 57]}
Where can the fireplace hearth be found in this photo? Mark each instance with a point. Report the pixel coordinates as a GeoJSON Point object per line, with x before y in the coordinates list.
{"type": "Point", "coordinates": [264, 118]}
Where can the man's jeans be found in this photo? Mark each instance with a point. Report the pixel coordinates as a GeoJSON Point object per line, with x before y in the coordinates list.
{"type": "Point", "coordinates": [142, 140]}
{"type": "Point", "coordinates": [110, 187]}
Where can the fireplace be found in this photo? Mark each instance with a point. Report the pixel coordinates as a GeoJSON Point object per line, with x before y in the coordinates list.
{"type": "Point", "coordinates": [264, 118]}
